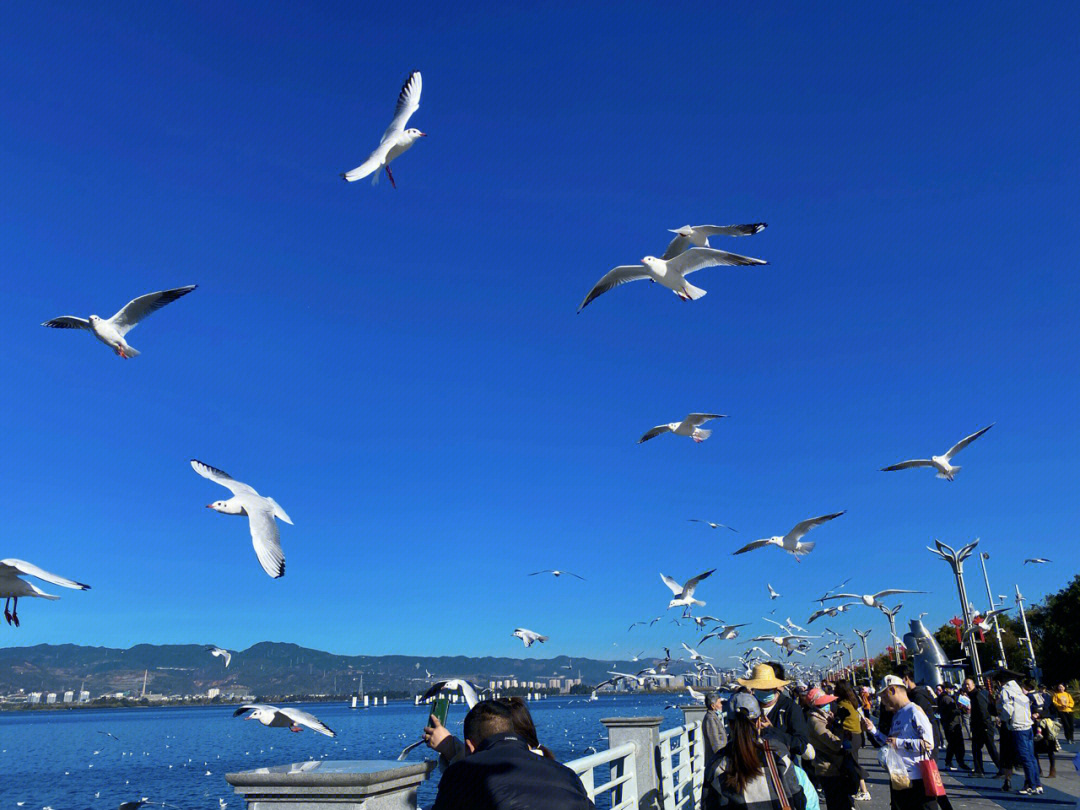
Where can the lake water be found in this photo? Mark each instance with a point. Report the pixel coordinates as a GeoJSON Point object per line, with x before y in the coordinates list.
{"type": "Point", "coordinates": [181, 755]}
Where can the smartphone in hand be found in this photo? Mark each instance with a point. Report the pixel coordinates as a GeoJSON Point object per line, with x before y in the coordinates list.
{"type": "Point", "coordinates": [439, 709]}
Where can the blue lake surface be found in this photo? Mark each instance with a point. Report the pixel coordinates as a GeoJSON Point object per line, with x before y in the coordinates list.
{"type": "Point", "coordinates": [181, 755]}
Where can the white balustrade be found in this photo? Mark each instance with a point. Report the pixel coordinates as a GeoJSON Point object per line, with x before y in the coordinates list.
{"type": "Point", "coordinates": [618, 766]}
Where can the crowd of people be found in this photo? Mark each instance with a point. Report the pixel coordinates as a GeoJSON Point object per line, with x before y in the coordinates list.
{"type": "Point", "coordinates": [776, 744]}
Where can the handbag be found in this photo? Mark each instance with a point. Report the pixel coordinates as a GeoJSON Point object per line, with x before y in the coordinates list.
{"type": "Point", "coordinates": [931, 778]}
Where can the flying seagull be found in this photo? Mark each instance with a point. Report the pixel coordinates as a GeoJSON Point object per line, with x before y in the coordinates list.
{"type": "Point", "coordinates": [556, 573]}
{"type": "Point", "coordinates": [830, 611]}
{"type": "Point", "coordinates": [111, 331]}
{"type": "Point", "coordinates": [690, 426]}
{"type": "Point", "coordinates": [725, 633]}
{"type": "Point", "coordinates": [870, 599]}
{"type": "Point", "coordinates": [396, 139]}
{"type": "Point", "coordinates": [701, 621]}
{"type": "Point", "coordinates": [218, 652]}
{"type": "Point", "coordinates": [711, 525]}
{"type": "Point", "coordinates": [691, 236]}
{"type": "Point", "coordinates": [528, 636]}
{"type": "Point", "coordinates": [1037, 560]}
{"type": "Point", "coordinates": [791, 542]}
{"type": "Point", "coordinates": [684, 594]}
{"type": "Point", "coordinates": [983, 622]}
{"type": "Point", "coordinates": [697, 696]}
{"type": "Point", "coordinates": [468, 690]}
{"type": "Point", "coordinates": [772, 594]}
{"type": "Point", "coordinates": [670, 273]}
{"type": "Point", "coordinates": [291, 719]}
{"type": "Point", "coordinates": [941, 463]}
{"type": "Point", "coordinates": [694, 654]}
{"type": "Point", "coordinates": [12, 586]}
{"type": "Point", "coordinates": [260, 512]}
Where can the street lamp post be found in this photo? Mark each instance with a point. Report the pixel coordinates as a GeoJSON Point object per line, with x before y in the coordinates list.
{"type": "Point", "coordinates": [955, 559]}
{"type": "Point", "coordinates": [866, 655]}
{"type": "Point", "coordinates": [851, 664]}
{"type": "Point", "coordinates": [1002, 663]}
{"type": "Point", "coordinates": [890, 614]}
{"type": "Point", "coordinates": [1027, 635]}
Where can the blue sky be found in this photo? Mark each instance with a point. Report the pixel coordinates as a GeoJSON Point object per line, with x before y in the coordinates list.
{"type": "Point", "coordinates": [404, 371]}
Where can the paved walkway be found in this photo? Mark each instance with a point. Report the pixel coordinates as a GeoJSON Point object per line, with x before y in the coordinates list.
{"type": "Point", "coordinates": [971, 793]}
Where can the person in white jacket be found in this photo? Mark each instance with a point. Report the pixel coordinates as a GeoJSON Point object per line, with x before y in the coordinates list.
{"type": "Point", "coordinates": [1014, 709]}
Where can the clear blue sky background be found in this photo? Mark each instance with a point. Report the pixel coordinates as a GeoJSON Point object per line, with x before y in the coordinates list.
{"type": "Point", "coordinates": [405, 372]}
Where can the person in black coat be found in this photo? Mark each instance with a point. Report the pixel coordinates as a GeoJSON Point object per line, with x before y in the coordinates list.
{"type": "Point", "coordinates": [982, 727]}
{"type": "Point", "coordinates": [952, 728]}
{"type": "Point", "coordinates": [502, 773]}
{"type": "Point", "coordinates": [925, 698]}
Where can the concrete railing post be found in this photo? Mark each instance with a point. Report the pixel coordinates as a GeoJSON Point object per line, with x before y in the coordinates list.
{"type": "Point", "coordinates": [342, 785]}
{"type": "Point", "coordinates": [692, 713]}
{"type": "Point", "coordinates": [644, 732]}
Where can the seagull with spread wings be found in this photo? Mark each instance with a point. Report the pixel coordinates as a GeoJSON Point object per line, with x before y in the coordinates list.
{"type": "Point", "coordinates": [556, 574]}
{"type": "Point", "coordinates": [690, 426]}
{"type": "Point", "coordinates": [396, 140]}
{"type": "Point", "coordinates": [1037, 560]}
{"type": "Point", "coordinates": [940, 463]}
{"type": "Point", "coordinates": [684, 594]}
{"type": "Point", "coordinates": [260, 513]}
{"type": "Point", "coordinates": [12, 586]}
{"type": "Point", "coordinates": [218, 652]}
{"type": "Point", "coordinates": [294, 720]}
{"type": "Point", "coordinates": [528, 637]}
{"type": "Point", "coordinates": [870, 599]}
{"type": "Point", "coordinates": [772, 593]}
{"type": "Point", "coordinates": [792, 541]}
{"type": "Point", "coordinates": [111, 331]}
{"type": "Point", "coordinates": [710, 524]}
{"type": "Point", "coordinates": [831, 611]}
{"type": "Point", "coordinates": [692, 236]}
{"type": "Point", "coordinates": [725, 633]}
{"type": "Point", "coordinates": [670, 273]}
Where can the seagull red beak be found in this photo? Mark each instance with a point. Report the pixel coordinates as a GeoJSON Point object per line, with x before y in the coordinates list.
{"type": "Point", "coordinates": [423, 134]}
{"type": "Point", "coordinates": [209, 506]}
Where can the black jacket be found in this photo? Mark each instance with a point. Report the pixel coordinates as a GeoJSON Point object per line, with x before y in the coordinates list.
{"type": "Point", "coordinates": [788, 725]}
{"type": "Point", "coordinates": [504, 773]}
{"type": "Point", "coordinates": [920, 696]}
{"type": "Point", "coordinates": [982, 712]}
{"type": "Point", "coordinates": [949, 711]}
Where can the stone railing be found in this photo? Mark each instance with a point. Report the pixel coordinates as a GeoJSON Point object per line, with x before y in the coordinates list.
{"type": "Point", "coordinates": [643, 768]}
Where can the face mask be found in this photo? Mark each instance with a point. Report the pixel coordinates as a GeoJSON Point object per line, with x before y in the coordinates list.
{"type": "Point", "coordinates": [764, 696]}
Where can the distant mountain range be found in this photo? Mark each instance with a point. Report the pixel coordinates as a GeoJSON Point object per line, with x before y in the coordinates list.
{"type": "Point", "coordinates": [266, 668]}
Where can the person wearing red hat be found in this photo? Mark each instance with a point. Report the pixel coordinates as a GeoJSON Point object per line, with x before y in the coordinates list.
{"type": "Point", "coordinates": [828, 751]}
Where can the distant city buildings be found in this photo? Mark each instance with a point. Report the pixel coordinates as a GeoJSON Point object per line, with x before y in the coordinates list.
{"type": "Point", "coordinates": [213, 692]}
{"type": "Point", "coordinates": [35, 697]}
{"type": "Point", "coordinates": [51, 697]}
{"type": "Point", "coordinates": [69, 696]}
{"type": "Point", "coordinates": [84, 696]}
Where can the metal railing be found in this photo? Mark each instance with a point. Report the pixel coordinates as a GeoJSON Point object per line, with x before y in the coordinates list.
{"type": "Point", "coordinates": [681, 766]}
{"type": "Point", "coordinates": [621, 774]}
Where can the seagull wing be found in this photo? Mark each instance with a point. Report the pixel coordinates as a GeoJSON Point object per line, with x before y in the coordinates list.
{"type": "Point", "coordinates": [572, 574]}
{"type": "Point", "coordinates": [960, 445]}
{"type": "Point", "coordinates": [806, 525]}
{"type": "Point", "coordinates": [840, 596]}
{"type": "Point", "coordinates": [676, 246]}
{"type": "Point", "coordinates": [613, 278]}
{"type": "Point", "coordinates": [769, 541]}
{"type": "Point", "coordinates": [691, 584]}
{"type": "Point", "coordinates": [693, 260]}
{"type": "Point", "coordinates": [892, 591]}
{"type": "Point", "coordinates": [266, 540]}
{"type": "Point", "coordinates": [731, 230]}
{"type": "Point", "coordinates": [221, 477]}
{"type": "Point", "coordinates": [250, 707]}
{"type": "Point", "coordinates": [676, 588]}
{"type": "Point", "coordinates": [68, 322]}
{"type": "Point", "coordinates": [128, 318]}
{"type": "Point", "coordinates": [545, 571]}
{"type": "Point", "coordinates": [302, 718]}
{"type": "Point", "coordinates": [29, 569]}
{"type": "Point", "coordinates": [656, 431]}
{"type": "Point", "coordinates": [697, 419]}
{"type": "Point", "coordinates": [405, 751]}
{"type": "Point", "coordinates": [408, 103]}
{"type": "Point", "coordinates": [907, 465]}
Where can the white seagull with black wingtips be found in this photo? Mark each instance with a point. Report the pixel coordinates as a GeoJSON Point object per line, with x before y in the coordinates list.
{"type": "Point", "coordinates": [940, 463]}
{"type": "Point", "coordinates": [396, 140]}
{"type": "Point", "coordinates": [690, 426]}
{"type": "Point", "coordinates": [260, 512]}
{"type": "Point", "coordinates": [12, 587]}
{"type": "Point", "coordinates": [691, 236]}
{"type": "Point", "coordinates": [792, 541]}
{"type": "Point", "coordinates": [670, 273]}
{"type": "Point", "coordinates": [111, 331]}
{"type": "Point", "coordinates": [292, 719]}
